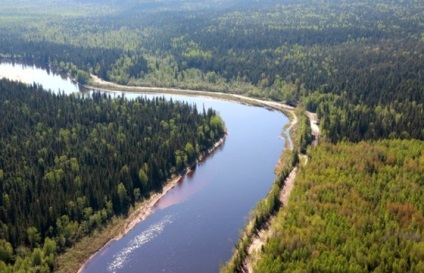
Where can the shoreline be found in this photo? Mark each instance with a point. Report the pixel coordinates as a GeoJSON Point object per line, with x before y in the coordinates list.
{"type": "Point", "coordinates": [145, 208]}
{"type": "Point", "coordinates": [120, 226]}
{"type": "Point", "coordinates": [98, 84]}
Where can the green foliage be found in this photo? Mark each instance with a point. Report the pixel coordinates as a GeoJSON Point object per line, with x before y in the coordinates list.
{"type": "Point", "coordinates": [34, 237]}
{"type": "Point", "coordinates": [49, 246]}
{"type": "Point", "coordinates": [357, 63]}
{"type": "Point", "coordinates": [355, 208]}
{"type": "Point", "coordinates": [6, 251]}
{"type": "Point", "coordinates": [190, 151]}
{"type": "Point", "coordinates": [143, 177]}
{"type": "Point", "coordinates": [302, 136]}
{"type": "Point", "coordinates": [82, 77]}
{"type": "Point", "coordinates": [122, 195]}
{"type": "Point", "coordinates": [73, 163]}
{"type": "Point", "coordinates": [37, 257]}
{"type": "Point", "coordinates": [369, 54]}
{"type": "Point", "coordinates": [261, 214]}
{"type": "Point", "coordinates": [340, 119]}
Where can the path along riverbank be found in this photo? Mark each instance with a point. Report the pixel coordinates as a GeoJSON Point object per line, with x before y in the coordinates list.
{"type": "Point", "coordinates": [262, 235]}
{"type": "Point", "coordinates": [101, 85]}
{"type": "Point", "coordinates": [146, 208]}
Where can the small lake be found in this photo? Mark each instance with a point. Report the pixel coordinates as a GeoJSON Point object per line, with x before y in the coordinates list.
{"type": "Point", "coordinates": [197, 223]}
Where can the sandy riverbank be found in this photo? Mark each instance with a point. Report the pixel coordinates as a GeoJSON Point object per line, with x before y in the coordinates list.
{"type": "Point", "coordinates": [145, 208]}
{"type": "Point", "coordinates": [102, 85]}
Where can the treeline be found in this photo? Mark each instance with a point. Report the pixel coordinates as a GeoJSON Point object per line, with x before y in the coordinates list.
{"type": "Point", "coordinates": [376, 93]}
{"type": "Point", "coordinates": [78, 61]}
{"type": "Point", "coordinates": [260, 216]}
{"type": "Point", "coordinates": [355, 208]}
{"type": "Point", "coordinates": [262, 213]}
{"type": "Point", "coordinates": [341, 119]}
{"type": "Point", "coordinates": [69, 163]}
{"type": "Point", "coordinates": [368, 53]}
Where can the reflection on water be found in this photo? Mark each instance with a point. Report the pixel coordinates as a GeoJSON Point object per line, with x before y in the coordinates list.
{"type": "Point", "coordinates": [197, 223]}
{"type": "Point", "coordinates": [31, 74]}
{"type": "Point", "coordinates": [185, 188]}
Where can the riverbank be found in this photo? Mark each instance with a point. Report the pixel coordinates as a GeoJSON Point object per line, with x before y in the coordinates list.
{"type": "Point", "coordinates": [118, 224]}
{"type": "Point", "coordinates": [254, 234]}
{"type": "Point", "coordinates": [146, 207]}
{"type": "Point", "coordinates": [263, 234]}
{"type": "Point", "coordinates": [256, 231]}
{"type": "Point", "coordinates": [267, 231]}
{"type": "Point", "coordinates": [76, 258]}
{"type": "Point", "coordinates": [259, 228]}
{"type": "Point", "coordinates": [101, 85]}
{"type": "Point", "coordinates": [140, 213]}
{"type": "Point", "coordinates": [286, 109]}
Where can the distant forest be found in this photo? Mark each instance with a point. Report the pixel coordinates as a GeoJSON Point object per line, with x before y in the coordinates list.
{"type": "Point", "coordinates": [358, 64]}
{"type": "Point", "coordinates": [68, 164]}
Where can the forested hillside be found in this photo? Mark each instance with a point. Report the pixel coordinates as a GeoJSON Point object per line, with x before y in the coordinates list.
{"type": "Point", "coordinates": [355, 208]}
{"type": "Point", "coordinates": [359, 64]}
{"type": "Point", "coordinates": [68, 164]}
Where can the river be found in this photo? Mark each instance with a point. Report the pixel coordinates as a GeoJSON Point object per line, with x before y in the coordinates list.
{"type": "Point", "coordinates": [197, 223]}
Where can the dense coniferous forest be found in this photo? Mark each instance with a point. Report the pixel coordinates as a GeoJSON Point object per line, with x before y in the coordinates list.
{"type": "Point", "coordinates": [358, 64]}
{"type": "Point", "coordinates": [69, 163]}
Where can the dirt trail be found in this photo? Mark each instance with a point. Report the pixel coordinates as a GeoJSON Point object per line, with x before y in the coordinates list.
{"type": "Point", "coordinates": [288, 186]}
{"type": "Point", "coordinates": [265, 233]}
{"type": "Point", "coordinates": [314, 126]}
{"type": "Point", "coordinates": [260, 239]}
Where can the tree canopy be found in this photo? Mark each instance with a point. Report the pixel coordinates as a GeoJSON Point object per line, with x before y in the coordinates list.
{"type": "Point", "coordinates": [69, 163]}
{"type": "Point", "coordinates": [358, 64]}
{"type": "Point", "coordinates": [355, 208]}
{"type": "Point", "coordinates": [366, 54]}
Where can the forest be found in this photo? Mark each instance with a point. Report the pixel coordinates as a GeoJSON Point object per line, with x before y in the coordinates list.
{"type": "Point", "coordinates": [69, 163]}
{"type": "Point", "coordinates": [355, 208]}
{"type": "Point", "coordinates": [358, 64]}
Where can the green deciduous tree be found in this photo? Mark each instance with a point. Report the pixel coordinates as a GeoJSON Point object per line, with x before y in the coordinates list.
{"type": "Point", "coordinates": [6, 251]}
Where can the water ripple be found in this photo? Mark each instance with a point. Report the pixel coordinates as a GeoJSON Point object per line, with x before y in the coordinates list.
{"type": "Point", "coordinates": [153, 231]}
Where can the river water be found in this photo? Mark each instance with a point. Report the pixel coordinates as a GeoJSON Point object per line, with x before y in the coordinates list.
{"type": "Point", "coordinates": [197, 223]}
